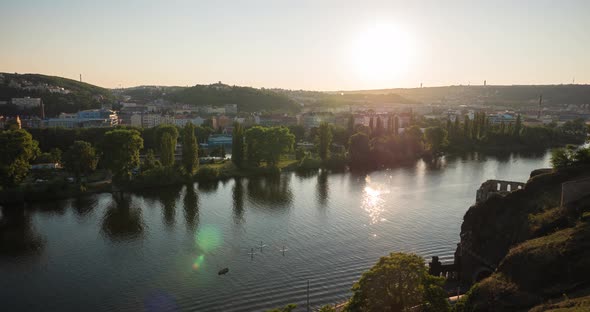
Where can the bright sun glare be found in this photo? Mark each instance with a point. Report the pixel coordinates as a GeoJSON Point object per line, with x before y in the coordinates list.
{"type": "Point", "coordinates": [382, 53]}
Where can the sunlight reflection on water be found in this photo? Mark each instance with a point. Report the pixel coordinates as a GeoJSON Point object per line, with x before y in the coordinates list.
{"type": "Point", "coordinates": [373, 202]}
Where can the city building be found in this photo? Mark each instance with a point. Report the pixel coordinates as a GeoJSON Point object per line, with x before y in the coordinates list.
{"type": "Point", "coordinates": [311, 120]}
{"type": "Point", "coordinates": [216, 140]}
{"type": "Point", "coordinates": [92, 118]}
{"type": "Point", "coordinates": [231, 109]}
{"type": "Point", "coordinates": [500, 118]}
{"type": "Point", "coordinates": [181, 121]}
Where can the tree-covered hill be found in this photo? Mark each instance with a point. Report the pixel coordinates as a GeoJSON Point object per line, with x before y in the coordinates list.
{"type": "Point", "coordinates": [248, 99]}
{"type": "Point", "coordinates": [336, 99]}
{"type": "Point", "coordinates": [508, 95]}
{"type": "Point", "coordinates": [75, 96]}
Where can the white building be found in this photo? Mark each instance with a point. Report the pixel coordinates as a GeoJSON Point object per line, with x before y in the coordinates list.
{"type": "Point", "coordinates": [181, 122]}
{"type": "Point", "coordinates": [136, 120]}
{"type": "Point", "coordinates": [26, 102]}
{"type": "Point", "coordinates": [231, 109]}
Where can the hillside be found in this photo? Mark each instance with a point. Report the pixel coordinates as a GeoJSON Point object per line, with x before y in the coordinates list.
{"type": "Point", "coordinates": [58, 94]}
{"type": "Point", "coordinates": [505, 95]}
{"type": "Point", "coordinates": [248, 99]}
{"type": "Point", "coordinates": [538, 250]}
{"type": "Point", "coordinates": [333, 100]}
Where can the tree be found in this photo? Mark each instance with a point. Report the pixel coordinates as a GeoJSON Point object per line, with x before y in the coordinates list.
{"type": "Point", "coordinates": [466, 127]}
{"type": "Point", "coordinates": [297, 130]}
{"type": "Point", "coordinates": [80, 159]}
{"type": "Point", "coordinates": [436, 138]}
{"type": "Point", "coordinates": [278, 141]}
{"type": "Point", "coordinates": [324, 140]}
{"type": "Point", "coordinates": [53, 156]}
{"type": "Point", "coordinates": [167, 136]}
{"type": "Point", "coordinates": [413, 137]}
{"type": "Point", "coordinates": [379, 129]}
{"type": "Point", "coordinates": [288, 308]}
{"type": "Point", "coordinates": [517, 126]}
{"type": "Point", "coordinates": [396, 283]}
{"type": "Point", "coordinates": [350, 125]}
{"type": "Point", "coordinates": [268, 144]}
{"type": "Point", "coordinates": [120, 151]}
{"type": "Point", "coordinates": [359, 150]}
{"type": "Point", "coordinates": [17, 149]}
{"type": "Point", "coordinates": [203, 133]}
{"type": "Point", "coordinates": [190, 149]}
{"type": "Point", "coordinates": [254, 141]}
{"type": "Point", "coordinates": [327, 308]}
{"type": "Point", "coordinates": [150, 161]}
{"type": "Point", "coordinates": [237, 147]}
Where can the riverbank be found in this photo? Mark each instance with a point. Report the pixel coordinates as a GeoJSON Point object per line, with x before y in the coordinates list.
{"type": "Point", "coordinates": [154, 178]}
{"type": "Point", "coordinates": [58, 189]}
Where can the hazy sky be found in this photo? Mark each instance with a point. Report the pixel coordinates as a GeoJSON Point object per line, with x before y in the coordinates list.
{"type": "Point", "coordinates": [318, 45]}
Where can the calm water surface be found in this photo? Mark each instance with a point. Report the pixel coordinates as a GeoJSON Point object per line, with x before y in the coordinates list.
{"type": "Point", "coordinates": [161, 250]}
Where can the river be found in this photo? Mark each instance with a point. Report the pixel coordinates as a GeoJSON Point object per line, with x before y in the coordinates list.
{"type": "Point", "coordinates": [161, 250]}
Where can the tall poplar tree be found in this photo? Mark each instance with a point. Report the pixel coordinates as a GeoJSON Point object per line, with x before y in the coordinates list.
{"type": "Point", "coordinates": [237, 148]}
{"type": "Point", "coordinates": [190, 149]}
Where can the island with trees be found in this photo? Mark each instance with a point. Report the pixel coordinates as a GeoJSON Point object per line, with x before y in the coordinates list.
{"type": "Point", "coordinates": [127, 158]}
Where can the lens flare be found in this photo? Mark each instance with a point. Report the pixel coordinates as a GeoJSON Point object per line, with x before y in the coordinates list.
{"type": "Point", "coordinates": [198, 263]}
{"type": "Point", "coordinates": [208, 238]}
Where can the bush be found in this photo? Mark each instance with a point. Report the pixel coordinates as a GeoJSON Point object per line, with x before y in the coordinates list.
{"type": "Point", "coordinates": [158, 176]}
{"type": "Point", "coordinates": [207, 173]}
{"type": "Point", "coordinates": [300, 153]}
{"type": "Point", "coordinates": [336, 163]}
{"type": "Point", "coordinates": [308, 163]}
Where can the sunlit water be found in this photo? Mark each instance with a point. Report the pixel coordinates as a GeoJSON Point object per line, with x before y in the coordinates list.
{"type": "Point", "coordinates": [162, 250]}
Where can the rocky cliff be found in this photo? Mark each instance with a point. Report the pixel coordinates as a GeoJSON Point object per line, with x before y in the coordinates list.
{"type": "Point", "coordinates": [525, 248]}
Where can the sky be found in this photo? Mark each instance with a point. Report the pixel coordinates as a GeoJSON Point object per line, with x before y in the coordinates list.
{"type": "Point", "coordinates": [303, 44]}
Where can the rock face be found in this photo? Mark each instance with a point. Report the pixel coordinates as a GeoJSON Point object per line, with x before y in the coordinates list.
{"type": "Point", "coordinates": [492, 187]}
{"type": "Point", "coordinates": [533, 247]}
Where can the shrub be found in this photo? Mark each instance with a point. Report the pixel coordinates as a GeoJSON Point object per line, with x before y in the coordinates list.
{"type": "Point", "coordinates": [207, 173]}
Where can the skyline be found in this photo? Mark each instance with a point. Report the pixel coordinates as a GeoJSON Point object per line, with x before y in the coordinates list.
{"type": "Point", "coordinates": [312, 46]}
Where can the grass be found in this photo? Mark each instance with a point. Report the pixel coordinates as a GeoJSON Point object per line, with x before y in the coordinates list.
{"type": "Point", "coordinates": [581, 304]}
{"type": "Point", "coordinates": [547, 221]}
{"type": "Point", "coordinates": [549, 242]}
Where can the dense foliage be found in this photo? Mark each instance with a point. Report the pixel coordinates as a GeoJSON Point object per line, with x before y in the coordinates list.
{"type": "Point", "coordinates": [190, 149]}
{"type": "Point", "coordinates": [396, 283]}
{"type": "Point", "coordinates": [17, 149]}
{"type": "Point", "coordinates": [380, 144]}
{"type": "Point", "coordinates": [237, 151]}
{"type": "Point", "coordinates": [120, 152]}
{"type": "Point", "coordinates": [570, 156]}
{"type": "Point", "coordinates": [80, 159]}
{"type": "Point", "coordinates": [166, 136]}
{"type": "Point", "coordinates": [267, 144]}
{"type": "Point", "coordinates": [324, 140]}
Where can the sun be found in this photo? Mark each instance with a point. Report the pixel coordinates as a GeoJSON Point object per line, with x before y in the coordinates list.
{"type": "Point", "coordinates": [382, 53]}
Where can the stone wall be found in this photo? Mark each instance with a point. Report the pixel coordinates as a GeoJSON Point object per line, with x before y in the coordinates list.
{"type": "Point", "coordinates": [501, 187]}
{"type": "Point", "coordinates": [572, 191]}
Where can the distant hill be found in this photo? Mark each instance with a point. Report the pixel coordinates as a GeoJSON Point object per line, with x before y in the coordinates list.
{"type": "Point", "coordinates": [248, 99]}
{"type": "Point", "coordinates": [58, 94]}
{"type": "Point", "coordinates": [509, 95]}
{"type": "Point", "coordinates": [335, 99]}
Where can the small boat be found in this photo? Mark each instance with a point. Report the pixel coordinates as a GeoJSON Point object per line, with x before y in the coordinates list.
{"type": "Point", "coordinates": [223, 271]}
